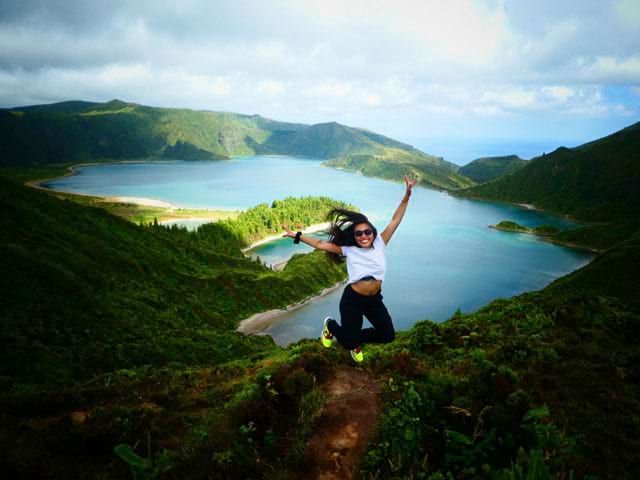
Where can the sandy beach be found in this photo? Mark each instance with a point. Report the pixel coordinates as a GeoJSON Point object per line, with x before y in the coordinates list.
{"type": "Point", "coordinates": [257, 324]}
{"type": "Point", "coordinates": [142, 201]}
{"type": "Point", "coordinates": [148, 202]}
{"type": "Point", "coordinates": [528, 206]}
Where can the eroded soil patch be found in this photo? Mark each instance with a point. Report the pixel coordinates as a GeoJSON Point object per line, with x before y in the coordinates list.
{"type": "Point", "coordinates": [345, 426]}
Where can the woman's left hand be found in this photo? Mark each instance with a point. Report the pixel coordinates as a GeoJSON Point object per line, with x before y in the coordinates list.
{"type": "Point", "coordinates": [410, 184]}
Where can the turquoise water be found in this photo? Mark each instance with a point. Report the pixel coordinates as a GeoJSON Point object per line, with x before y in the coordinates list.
{"type": "Point", "coordinates": [443, 256]}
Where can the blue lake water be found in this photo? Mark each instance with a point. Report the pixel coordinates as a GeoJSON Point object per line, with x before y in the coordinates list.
{"type": "Point", "coordinates": [443, 256]}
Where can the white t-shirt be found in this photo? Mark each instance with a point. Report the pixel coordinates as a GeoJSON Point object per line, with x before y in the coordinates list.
{"type": "Point", "coordinates": [363, 262]}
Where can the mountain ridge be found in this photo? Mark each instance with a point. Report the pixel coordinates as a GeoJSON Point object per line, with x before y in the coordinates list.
{"type": "Point", "coordinates": [486, 169]}
{"type": "Point", "coordinates": [77, 131]}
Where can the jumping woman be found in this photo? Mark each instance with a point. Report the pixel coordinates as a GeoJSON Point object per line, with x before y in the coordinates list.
{"type": "Point", "coordinates": [353, 237]}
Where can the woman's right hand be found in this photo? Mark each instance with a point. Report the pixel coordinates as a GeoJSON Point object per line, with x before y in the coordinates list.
{"type": "Point", "coordinates": [288, 232]}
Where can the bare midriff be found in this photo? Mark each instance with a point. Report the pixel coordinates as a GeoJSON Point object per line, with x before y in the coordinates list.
{"type": "Point", "coordinates": [367, 287]}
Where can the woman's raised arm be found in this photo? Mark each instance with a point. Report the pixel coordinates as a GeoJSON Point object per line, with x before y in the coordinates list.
{"type": "Point", "coordinates": [399, 213]}
{"type": "Point", "coordinates": [313, 242]}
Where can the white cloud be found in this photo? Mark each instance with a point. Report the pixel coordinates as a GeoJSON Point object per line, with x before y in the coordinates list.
{"type": "Point", "coordinates": [510, 98]}
{"type": "Point", "coordinates": [612, 70]}
{"type": "Point", "coordinates": [364, 61]}
{"type": "Point", "coordinates": [330, 88]}
{"type": "Point", "coordinates": [271, 87]}
{"type": "Point", "coordinates": [558, 92]}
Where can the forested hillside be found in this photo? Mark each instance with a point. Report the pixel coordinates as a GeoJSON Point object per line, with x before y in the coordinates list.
{"type": "Point", "coordinates": [597, 181]}
{"type": "Point", "coordinates": [485, 169]}
{"type": "Point", "coordinates": [120, 335]}
{"type": "Point", "coordinates": [84, 292]}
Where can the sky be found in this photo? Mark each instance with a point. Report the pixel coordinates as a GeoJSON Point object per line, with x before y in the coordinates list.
{"type": "Point", "coordinates": [455, 78]}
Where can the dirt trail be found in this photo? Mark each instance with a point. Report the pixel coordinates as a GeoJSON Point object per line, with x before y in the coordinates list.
{"type": "Point", "coordinates": [345, 426]}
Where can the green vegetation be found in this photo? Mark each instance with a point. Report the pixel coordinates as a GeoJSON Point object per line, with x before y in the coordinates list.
{"type": "Point", "coordinates": [592, 237]}
{"type": "Point", "coordinates": [120, 357]}
{"type": "Point", "coordinates": [511, 226]}
{"type": "Point", "coordinates": [599, 237]}
{"type": "Point", "coordinates": [393, 163]}
{"type": "Point", "coordinates": [263, 220]}
{"type": "Point", "coordinates": [597, 181]}
{"type": "Point", "coordinates": [186, 151]}
{"type": "Point", "coordinates": [83, 131]}
{"type": "Point", "coordinates": [545, 382]}
{"type": "Point", "coordinates": [143, 214]}
{"type": "Point", "coordinates": [487, 169]}
{"type": "Point", "coordinates": [32, 174]}
{"type": "Point", "coordinates": [539, 381]}
{"type": "Point", "coordinates": [84, 292]}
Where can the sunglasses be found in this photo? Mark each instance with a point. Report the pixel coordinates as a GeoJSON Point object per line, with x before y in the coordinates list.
{"type": "Point", "coordinates": [359, 233]}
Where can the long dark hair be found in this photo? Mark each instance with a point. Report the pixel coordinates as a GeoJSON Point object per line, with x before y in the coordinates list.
{"type": "Point", "coordinates": [343, 223]}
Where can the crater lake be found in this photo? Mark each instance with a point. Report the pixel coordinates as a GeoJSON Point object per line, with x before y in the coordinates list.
{"type": "Point", "coordinates": [443, 257]}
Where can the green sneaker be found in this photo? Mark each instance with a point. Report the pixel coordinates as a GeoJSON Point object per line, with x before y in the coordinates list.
{"type": "Point", "coordinates": [327, 336]}
{"type": "Point", "coordinates": [357, 354]}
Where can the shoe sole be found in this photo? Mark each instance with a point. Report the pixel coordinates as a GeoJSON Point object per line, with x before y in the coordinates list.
{"type": "Point", "coordinates": [325, 341]}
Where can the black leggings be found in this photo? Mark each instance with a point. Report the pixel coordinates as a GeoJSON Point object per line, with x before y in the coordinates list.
{"type": "Point", "coordinates": [352, 307]}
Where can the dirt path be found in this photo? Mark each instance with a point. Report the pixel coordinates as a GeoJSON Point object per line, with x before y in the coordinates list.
{"type": "Point", "coordinates": [345, 426]}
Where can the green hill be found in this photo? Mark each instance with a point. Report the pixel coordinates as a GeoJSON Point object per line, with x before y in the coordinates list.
{"type": "Point", "coordinates": [116, 334]}
{"type": "Point", "coordinates": [597, 181]}
{"type": "Point", "coordinates": [486, 169]}
{"type": "Point", "coordinates": [84, 292]}
{"type": "Point", "coordinates": [542, 385]}
{"type": "Point", "coordinates": [77, 131]}
{"type": "Point", "coordinates": [72, 106]}
{"type": "Point", "coordinates": [394, 163]}
{"type": "Point", "coordinates": [332, 140]}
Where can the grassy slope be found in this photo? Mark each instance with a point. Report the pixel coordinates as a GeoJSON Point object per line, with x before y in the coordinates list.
{"type": "Point", "coordinates": [393, 164]}
{"type": "Point", "coordinates": [457, 401]}
{"type": "Point", "coordinates": [573, 346]}
{"type": "Point", "coordinates": [592, 182]}
{"type": "Point", "coordinates": [85, 292]}
{"type": "Point", "coordinates": [240, 407]}
{"type": "Point", "coordinates": [489, 168]}
{"type": "Point", "coordinates": [596, 238]}
{"type": "Point", "coordinates": [456, 395]}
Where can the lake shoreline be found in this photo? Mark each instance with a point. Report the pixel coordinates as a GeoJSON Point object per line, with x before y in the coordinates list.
{"type": "Point", "coordinates": [546, 238]}
{"type": "Point", "coordinates": [141, 201]}
{"type": "Point", "coordinates": [316, 227]}
{"type": "Point", "coordinates": [530, 207]}
{"type": "Point", "coordinates": [72, 171]}
{"type": "Point", "coordinates": [258, 323]}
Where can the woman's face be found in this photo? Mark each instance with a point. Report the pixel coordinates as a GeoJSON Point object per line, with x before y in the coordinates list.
{"type": "Point", "coordinates": [363, 234]}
